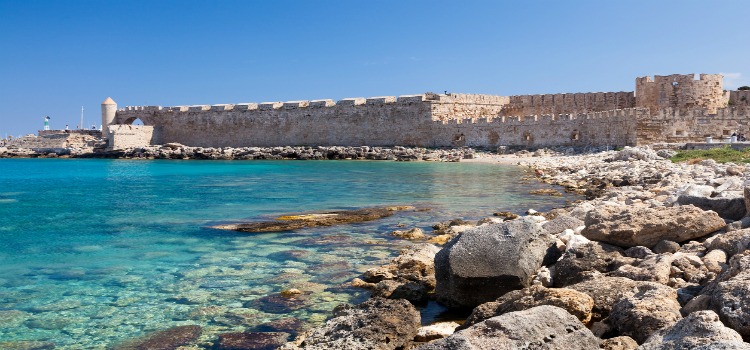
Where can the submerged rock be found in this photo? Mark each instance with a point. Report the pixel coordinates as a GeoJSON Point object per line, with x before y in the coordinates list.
{"type": "Point", "coordinates": [251, 341]}
{"type": "Point", "coordinates": [167, 339]}
{"type": "Point", "coordinates": [483, 263]}
{"type": "Point", "coordinates": [297, 221]}
{"type": "Point", "coordinates": [280, 303]}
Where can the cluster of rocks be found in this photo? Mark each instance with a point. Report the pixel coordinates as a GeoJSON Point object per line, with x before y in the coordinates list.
{"type": "Point", "coordinates": [657, 258]}
{"type": "Point", "coordinates": [178, 151]}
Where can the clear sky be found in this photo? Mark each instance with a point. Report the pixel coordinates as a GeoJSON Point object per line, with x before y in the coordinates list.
{"type": "Point", "coordinates": [56, 56]}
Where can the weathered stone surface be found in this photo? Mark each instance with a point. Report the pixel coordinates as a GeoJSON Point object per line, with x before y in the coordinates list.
{"type": "Point", "coordinates": [700, 330]}
{"type": "Point", "coordinates": [483, 263]}
{"type": "Point", "coordinates": [167, 339]}
{"type": "Point", "coordinates": [650, 308]}
{"type": "Point", "coordinates": [576, 303]}
{"type": "Point", "coordinates": [727, 208]}
{"type": "Point", "coordinates": [634, 226]}
{"type": "Point", "coordinates": [435, 331]}
{"type": "Point", "coordinates": [297, 221]}
{"type": "Point", "coordinates": [561, 224]}
{"type": "Point", "coordinates": [732, 300]}
{"type": "Point", "coordinates": [715, 260]}
{"type": "Point", "coordinates": [390, 289]}
{"type": "Point", "coordinates": [542, 327]}
{"type": "Point", "coordinates": [579, 260]}
{"type": "Point", "coordinates": [291, 325]}
{"type": "Point", "coordinates": [251, 341]}
{"type": "Point", "coordinates": [415, 233]}
{"type": "Point", "coordinates": [666, 246]}
{"type": "Point", "coordinates": [732, 242]}
{"type": "Point", "coordinates": [655, 268]}
{"type": "Point", "coordinates": [619, 343]}
{"type": "Point", "coordinates": [374, 324]}
{"type": "Point", "coordinates": [605, 291]}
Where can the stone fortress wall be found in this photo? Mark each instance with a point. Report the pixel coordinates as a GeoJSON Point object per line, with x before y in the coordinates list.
{"type": "Point", "coordinates": [675, 108]}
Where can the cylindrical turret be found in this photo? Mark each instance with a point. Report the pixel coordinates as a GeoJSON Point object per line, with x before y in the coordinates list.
{"type": "Point", "coordinates": [109, 108]}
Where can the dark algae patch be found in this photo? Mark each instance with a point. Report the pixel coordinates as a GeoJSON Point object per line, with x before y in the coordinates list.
{"type": "Point", "coordinates": [298, 221]}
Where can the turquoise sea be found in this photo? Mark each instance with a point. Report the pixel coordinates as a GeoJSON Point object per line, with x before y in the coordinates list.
{"type": "Point", "coordinates": [94, 252]}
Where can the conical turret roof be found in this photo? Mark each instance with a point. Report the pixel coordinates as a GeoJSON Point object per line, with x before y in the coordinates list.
{"type": "Point", "coordinates": [109, 101]}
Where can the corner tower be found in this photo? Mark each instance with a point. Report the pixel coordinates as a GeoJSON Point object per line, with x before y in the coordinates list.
{"type": "Point", "coordinates": [680, 91]}
{"type": "Point", "coordinates": [109, 108]}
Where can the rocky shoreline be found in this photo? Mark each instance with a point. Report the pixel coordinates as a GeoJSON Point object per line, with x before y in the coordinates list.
{"type": "Point", "coordinates": [656, 258]}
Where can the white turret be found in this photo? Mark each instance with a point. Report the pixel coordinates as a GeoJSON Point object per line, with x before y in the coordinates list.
{"type": "Point", "coordinates": [109, 108]}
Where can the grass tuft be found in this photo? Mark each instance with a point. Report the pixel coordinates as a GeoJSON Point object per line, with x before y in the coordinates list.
{"type": "Point", "coordinates": [720, 155]}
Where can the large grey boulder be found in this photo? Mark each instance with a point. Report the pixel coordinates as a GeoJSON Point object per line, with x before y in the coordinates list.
{"type": "Point", "coordinates": [542, 327]}
{"type": "Point", "coordinates": [700, 330]}
{"type": "Point", "coordinates": [579, 261]}
{"type": "Point", "coordinates": [727, 208]}
{"type": "Point", "coordinates": [576, 303]}
{"type": "Point", "coordinates": [650, 308]}
{"type": "Point", "coordinates": [483, 263]}
{"type": "Point", "coordinates": [374, 324]}
{"type": "Point", "coordinates": [628, 226]}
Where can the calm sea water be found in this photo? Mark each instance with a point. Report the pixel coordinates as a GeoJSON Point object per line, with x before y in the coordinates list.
{"type": "Point", "coordinates": [95, 252]}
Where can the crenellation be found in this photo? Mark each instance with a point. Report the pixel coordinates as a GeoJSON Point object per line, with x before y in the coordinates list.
{"type": "Point", "coordinates": [356, 101]}
{"type": "Point", "coordinates": [196, 108]}
{"type": "Point", "coordinates": [296, 104]}
{"type": "Point", "coordinates": [322, 103]}
{"type": "Point", "coordinates": [245, 106]}
{"type": "Point", "coordinates": [410, 98]}
{"type": "Point", "coordinates": [270, 105]}
{"type": "Point", "coordinates": [381, 100]}
{"type": "Point", "coordinates": [222, 107]}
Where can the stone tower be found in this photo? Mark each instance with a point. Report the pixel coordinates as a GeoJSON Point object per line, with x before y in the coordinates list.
{"type": "Point", "coordinates": [680, 92]}
{"type": "Point", "coordinates": [109, 108]}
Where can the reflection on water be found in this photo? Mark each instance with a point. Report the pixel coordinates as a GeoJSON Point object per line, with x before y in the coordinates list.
{"type": "Point", "coordinates": [96, 251]}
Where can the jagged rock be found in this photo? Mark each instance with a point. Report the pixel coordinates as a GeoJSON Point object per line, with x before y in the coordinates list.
{"type": "Point", "coordinates": [436, 331]}
{"type": "Point", "coordinates": [415, 233]}
{"type": "Point", "coordinates": [374, 324]}
{"type": "Point", "coordinates": [489, 221]}
{"type": "Point", "coordinates": [732, 301]}
{"type": "Point", "coordinates": [562, 223]}
{"type": "Point", "coordinates": [605, 291]}
{"type": "Point", "coordinates": [619, 343]}
{"type": "Point", "coordinates": [639, 252]}
{"type": "Point", "coordinates": [577, 261]}
{"type": "Point", "coordinates": [576, 303]}
{"type": "Point", "coordinates": [666, 246]}
{"type": "Point", "coordinates": [555, 213]}
{"type": "Point", "coordinates": [416, 262]}
{"type": "Point", "coordinates": [483, 263]}
{"type": "Point", "coordinates": [655, 268]}
{"type": "Point", "coordinates": [727, 208]}
{"type": "Point", "coordinates": [542, 327]}
{"type": "Point", "coordinates": [634, 226]}
{"type": "Point", "coordinates": [377, 274]}
{"type": "Point", "coordinates": [732, 242]}
{"type": "Point", "coordinates": [700, 330]}
{"type": "Point", "coordinates": [650, 308]}
{"type": "Point", "coordinates": [411, 291]}
{"type": "Point", "coordinates": [251, 341]}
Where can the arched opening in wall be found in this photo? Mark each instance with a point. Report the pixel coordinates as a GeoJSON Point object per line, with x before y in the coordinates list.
{"type": "Point", "coordinates": [134, 121]}
{"type": "Point", "coordinates": [575, 135]}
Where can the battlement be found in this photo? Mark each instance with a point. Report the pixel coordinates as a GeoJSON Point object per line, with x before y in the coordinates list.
{"type": "Point", "coordinates": [631, 113]}
{"type": "Point", "coordinates": [680, 91]}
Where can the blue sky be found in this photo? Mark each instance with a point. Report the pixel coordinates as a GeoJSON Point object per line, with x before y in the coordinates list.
{"type": "Point", "coordinates": [56, 56]}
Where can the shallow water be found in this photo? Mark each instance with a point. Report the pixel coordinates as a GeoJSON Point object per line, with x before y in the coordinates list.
{"type": "Point", "coordinates": [96, 251]}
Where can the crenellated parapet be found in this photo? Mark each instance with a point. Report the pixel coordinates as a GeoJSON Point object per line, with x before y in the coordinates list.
{"type": "Point", "coordinates": [680, 91]}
